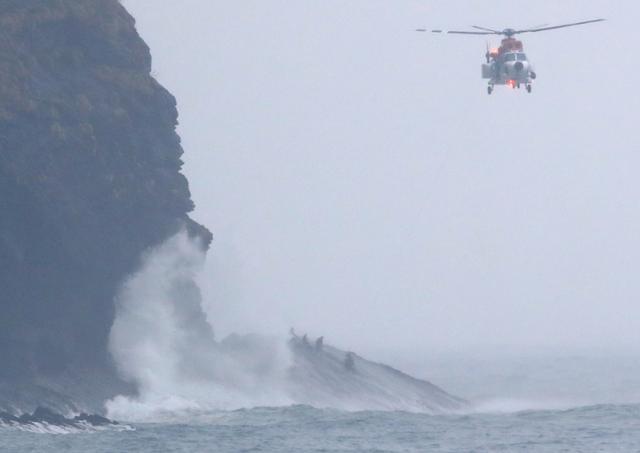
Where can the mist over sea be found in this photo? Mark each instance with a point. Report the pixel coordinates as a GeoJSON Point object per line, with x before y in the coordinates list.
{"type": "Point", "coordinates": [602, 428]}
{"type": "Point", "coordinates": [520, 404]}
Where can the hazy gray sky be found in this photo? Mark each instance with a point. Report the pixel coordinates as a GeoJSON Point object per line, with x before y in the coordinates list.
{"type": "Point", "coordinates": [362, 185]}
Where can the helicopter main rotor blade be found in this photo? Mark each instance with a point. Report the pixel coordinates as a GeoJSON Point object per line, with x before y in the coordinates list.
{"type": "Point", "coordinates": [455, 32]}
{"type": "Point", "coordinates": [424, 30]}
{"type": "Point", "coordinates": [555, 27]}
{"type": "Point", "coordinates": [537, 26]}
{"type": "Point", "coordinates": [486, 29]}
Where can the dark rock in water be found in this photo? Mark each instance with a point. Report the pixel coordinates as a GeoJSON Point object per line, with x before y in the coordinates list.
{"type": "Point", "coordinates": [48, 417]}
{"type": "Point", "coordinates": [330, 377]}
{"type": "Point", "coordinates": [89, 179]}
{"type": "Point", "coordinates": [7, 418]}
{"type": "Point", "coordinates": [44, 415]}
{"type": "Point", "coordinates": [94, 420]}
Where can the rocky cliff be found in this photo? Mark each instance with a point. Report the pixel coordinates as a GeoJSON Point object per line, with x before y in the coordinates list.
{"type": "Point", "coordinates": [89, 179]}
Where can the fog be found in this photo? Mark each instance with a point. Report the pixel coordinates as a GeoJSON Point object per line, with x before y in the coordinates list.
{"type": "Point", "coordinates": [361, 184]}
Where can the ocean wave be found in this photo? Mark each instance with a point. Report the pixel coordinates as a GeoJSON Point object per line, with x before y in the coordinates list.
{"type": "Point", "coordinates": [46, 421]}
{"type": "Point", "coordinates": [48, 428]}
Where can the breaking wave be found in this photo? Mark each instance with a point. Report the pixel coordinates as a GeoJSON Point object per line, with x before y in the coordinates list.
{"type": "Point", "coordinates": [50, 428]}
{"type": "Point", "coordinates": [162, 342]}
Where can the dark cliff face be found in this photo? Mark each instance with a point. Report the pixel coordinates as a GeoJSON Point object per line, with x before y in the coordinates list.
{"type": "Point", "coordinates": [89, 178]}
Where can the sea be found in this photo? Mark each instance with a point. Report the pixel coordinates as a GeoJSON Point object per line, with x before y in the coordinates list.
{"type": "Point", "coordinates": [602, 428]}
{"type": "Point", "coordinates": [565, 404]}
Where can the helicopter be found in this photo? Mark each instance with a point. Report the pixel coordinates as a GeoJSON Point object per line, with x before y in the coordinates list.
{"type": "Point", "coordinates": [508, 64]}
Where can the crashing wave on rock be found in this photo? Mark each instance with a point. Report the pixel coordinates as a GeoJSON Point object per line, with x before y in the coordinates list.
{"type": "Point", "coordinates": [46, 421]}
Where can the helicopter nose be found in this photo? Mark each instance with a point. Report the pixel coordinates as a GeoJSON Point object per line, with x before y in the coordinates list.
{"type": "Point", "coordinates": [518, 66]}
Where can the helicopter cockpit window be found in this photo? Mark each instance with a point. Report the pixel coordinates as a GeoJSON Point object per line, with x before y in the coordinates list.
{"type": "Point", "coordinates": [510, 57]}
{"type": "Point", "coordinates": [522, 57]}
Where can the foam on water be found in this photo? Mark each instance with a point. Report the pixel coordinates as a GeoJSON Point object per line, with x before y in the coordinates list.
{"type": "Point", "coordinates": [50, 428]}
{"type": "Point", "coordinates": [162, 341]}
{"type": "Point", "coordinates": [610, 428]}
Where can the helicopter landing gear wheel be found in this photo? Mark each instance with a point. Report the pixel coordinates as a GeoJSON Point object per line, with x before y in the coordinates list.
{"type": "Point", "coordinates": [489, 89]}
{"type": "Point", "coordinates": [529, 88]}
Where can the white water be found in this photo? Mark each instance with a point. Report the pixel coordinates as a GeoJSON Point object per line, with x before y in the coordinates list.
{"type": "Point", "coordinates": [48, 428]}
{"type": "Point", "coordinates": [162, 342]}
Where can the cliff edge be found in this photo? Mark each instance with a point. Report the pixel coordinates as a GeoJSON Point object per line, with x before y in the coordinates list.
{"type": "Point", "coordinates": [89, 179]}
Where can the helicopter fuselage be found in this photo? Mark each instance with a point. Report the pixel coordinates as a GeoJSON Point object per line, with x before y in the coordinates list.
{"type": "Point", "coordinates": [511, 69]}
{"type": "Point", "coordinates": [509, 66]}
